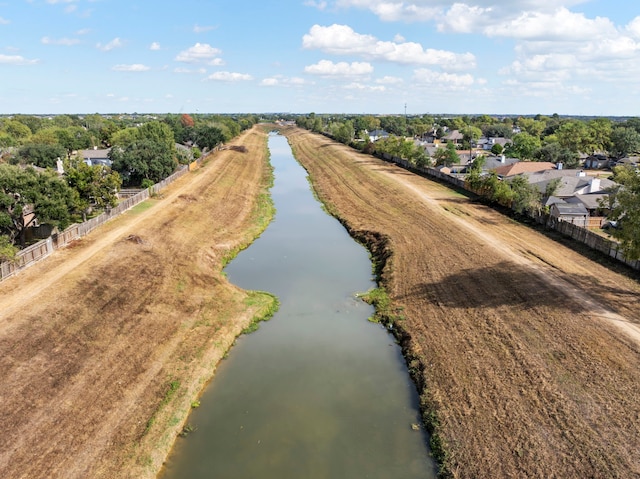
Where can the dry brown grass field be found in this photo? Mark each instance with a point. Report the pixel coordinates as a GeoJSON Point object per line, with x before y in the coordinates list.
{"type": "Point", "coordinates": [104, 345]}
{"type": "Point", "coordinates": [526, 353]}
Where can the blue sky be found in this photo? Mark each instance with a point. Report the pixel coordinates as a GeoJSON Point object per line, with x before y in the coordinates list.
{"type": "Point", "coordinates": [575, 57]}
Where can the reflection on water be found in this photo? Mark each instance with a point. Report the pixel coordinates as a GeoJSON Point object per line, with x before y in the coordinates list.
{"type": "Point", "coordinates": [318, 391]}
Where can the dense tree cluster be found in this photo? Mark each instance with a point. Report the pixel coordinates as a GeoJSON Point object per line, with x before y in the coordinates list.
{"type": "Point", "coordinates": [143, 151]}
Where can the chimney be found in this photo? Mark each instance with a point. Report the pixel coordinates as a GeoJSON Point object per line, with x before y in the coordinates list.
{"type": "Point", "coordinates": [594, 185]}
{"type": "Point", "coordinates": [502, 158]}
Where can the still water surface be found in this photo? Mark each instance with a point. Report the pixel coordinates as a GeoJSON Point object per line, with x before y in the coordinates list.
{"type": "Point", "coordinates": [318, 391]}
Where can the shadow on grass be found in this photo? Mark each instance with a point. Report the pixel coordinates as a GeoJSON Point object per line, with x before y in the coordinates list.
{"type": "Point", "coordinates": [504, 284]}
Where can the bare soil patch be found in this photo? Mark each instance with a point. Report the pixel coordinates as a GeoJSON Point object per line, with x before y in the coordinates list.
{"type": "Point", "coordinates": [103, 346]}
{"type": "Point", "coordinates": [526, 353]}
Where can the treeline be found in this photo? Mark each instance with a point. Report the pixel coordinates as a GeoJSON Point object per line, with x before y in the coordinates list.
{"type": "Point", "coordinates": [142, 151]}
{"type": "Point", "coordinates": [540, 138]}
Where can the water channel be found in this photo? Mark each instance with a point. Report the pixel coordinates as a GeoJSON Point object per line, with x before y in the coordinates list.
{"type": "Point", "coordinates": [318, 391]}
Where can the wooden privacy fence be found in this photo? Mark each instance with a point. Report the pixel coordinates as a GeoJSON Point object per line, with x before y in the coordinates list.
{"type": "Point", "coordinates": [44, 248]}
{"type": "Point", "coordinates": [578, 233]}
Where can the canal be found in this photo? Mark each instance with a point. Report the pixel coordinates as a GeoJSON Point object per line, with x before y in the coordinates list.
{"type": "Point", "coordinates": [318, 391]}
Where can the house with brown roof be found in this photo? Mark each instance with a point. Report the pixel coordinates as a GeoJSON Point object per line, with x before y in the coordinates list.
{"type": "Point", "coordinates": [454, 137]}
{"type": "Point", "coordinates": [521, 167]}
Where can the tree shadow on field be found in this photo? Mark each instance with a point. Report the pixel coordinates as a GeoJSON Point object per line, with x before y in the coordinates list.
{"type": "Point", "coordinates": [504, 284]}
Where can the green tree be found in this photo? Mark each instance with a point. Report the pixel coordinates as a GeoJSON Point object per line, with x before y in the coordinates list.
{"type": "Point", "coordinates": [554, 153]}
{"type": "Point", "coordinates": [17, 130]}
{"type": "Point", "coordinates": [552, 187]}
{"type": "Point", "coordinates": [575, 136]}
{"type": "Point", "coordinates": [42, 155]}
{"type": "Point", "coordinates": [525, 196]}
{"type": "Point", "coordinates": [97, 185]}
{"type": "Point", "coordinates": [497, 149]}
{"type": "Point", "coordinates": [208, 136]}
{"type": "Point", "coordinates": [471, 134]}
{"type": "Point", "coordinates": [342, 131]}
{"type": "Point", "coordinates": [531, 126]}
{"type": "Point", "coordinates": [143, 160]}
{"type": "Point", "coordinates": [446, 156]}
{"type": "Point", "coordinates": [523, 146]}
{"type": "Point", "coordinates": [394, 124]}
{"type": "Point", "coordinates": [73, 138]}
{"type": "Point", "coordinates": [498, 131]}
{"type": "Point", "coordinates": [625, 209]}
{"type": "Point", "coordinates": [124, 137]}
{"type": "Point", "coordinates": [34, 123]}
{"type": "Point", "coordinates": [7, 250]}
{"type": "Point", "coordinates": [25, 191]}
{"type": "Point", "coordinates": [474, 176]}
{"type": "Point", "coordinates": [624, 141]}
{"type": "Point", "coordinates": [600, 130]}
{"type": "Point", "coordinates": [496, 190]}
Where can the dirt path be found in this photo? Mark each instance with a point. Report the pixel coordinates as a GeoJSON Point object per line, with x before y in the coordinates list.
{"type": "Point", "coordinates": [517, 255]}
{"type": "Point", "coordinates": [104, 345]}
{"type": "Point", "coordinates": [526, 352]}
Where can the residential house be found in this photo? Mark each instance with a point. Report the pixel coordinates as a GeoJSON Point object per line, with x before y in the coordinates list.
{"type": "Point", "coordinates": [376, 135]}
{"type": "Point", "coordinates": [576, 188]}
{"type": "Point", "coordinates": [596, 162]}
{"type": "Point", "coordinates": [572, 182]}
{"type": "Point", "coordinates": [493, 162]}
{"type": "Point", "coordinates": [96, 156]}
{"type": "Point", "coordinates": [454, 137]}
{"type": "Point", "coordinates": [488, 143]}
{"type": "Point", "coordinates": [576, 214]}
{"type": "Point", "coordinates": [521, 167]}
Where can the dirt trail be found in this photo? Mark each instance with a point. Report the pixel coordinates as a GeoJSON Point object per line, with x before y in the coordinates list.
{"type": "Point", "coordinates": [516, 255]}
{"type": "Point", "coordinates": [104, 345]}
{"type": "Point", "coordinates": [514, 339]}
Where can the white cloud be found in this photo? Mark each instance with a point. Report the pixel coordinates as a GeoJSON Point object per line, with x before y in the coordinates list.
{"type": "Point", "coordinates": [340, 69]}
{"type": "Point", "coordinates": [280, 80]}
{"type": "Point", "coordinates": [60, 41]}
{"type": "Point", "coordinates": [202, 29]}
{"type": "Point", "coordinates": [200, 52]}
{"type": "Point", "coordinates": [391, 11]}
{"type": "Point", "coordinates": [321, 5]}
{"type": "Point", "coordinates": [229, 76]}
{"type": "Point", "coordinates": [389, 80]}
{"type": "Point", "coordinates": [427, 10]}
{"type": "Point", "coordinates": [136, 67]}
{"type": "Point", "coordinates": [343, 40]}
{"type": "Point", "coordinates": [449, 81]}
{"type": "Point", "coordinates": [633, 27]}
{"type": "Point", "coordinates": [363, 87]}
{"type": "Point", "coordinates": [4, 21]}
{"type": "Point", "coordinates": [16, 60]}
{"type": "Point", "coordinates": [201, 71]}
{"type": "Point", "coordinates": [83, 31]}
{"type": "Point", "coordinates": [462, 18]}
{"type": "Point", "coordinates": [115, 43]}
{"type": "Point", "coordinates": [154, 46]}
{"type": "Point", "coordinates": [560, 25]}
